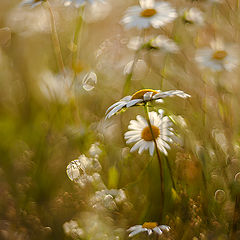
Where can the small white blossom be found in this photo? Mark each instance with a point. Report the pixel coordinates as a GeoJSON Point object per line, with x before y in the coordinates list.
{"type": "Point", "coordinates": [218, 56]}
{"type": "Point", "coordinates": [144, 136]}
{"type": "Point", "coordinates": [141, 97]}
{"type": "Point", "coordinates": [193, 16]}
{"type": "Point", "coordinates": [149, 13]}
{"type": "Point", "coordinates": [79, 3]}
{"type": "Point", "coordinates": [149, 227]}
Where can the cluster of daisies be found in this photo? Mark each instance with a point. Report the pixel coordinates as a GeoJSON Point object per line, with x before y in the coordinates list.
{"type": "Point", "coordinates": [155, 132]}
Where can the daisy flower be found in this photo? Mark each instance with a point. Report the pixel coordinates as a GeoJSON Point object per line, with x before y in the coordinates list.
{"type": "Point", "coordinates": [148, 227]}
{"type": "Point", "coordinates": [149, 13]}
{"type": "Point", "coordinates": [193, 16]}
{"type": "Point", "coordinates": [218, 57]}
{"type": "Point", "coordinates": [159, 42]}
{"type": "Point", "coordinates": [32, 3]}
{"type": "Point", "coordinates": [144, 136]}
{"type": "Point", "coordinates": [141, 97]}
{"type": "Point", "coordinates": [79, 3]}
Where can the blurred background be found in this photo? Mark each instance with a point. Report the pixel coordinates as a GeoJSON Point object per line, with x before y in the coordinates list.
{"type": "Point", "coordinates": [48, 119]}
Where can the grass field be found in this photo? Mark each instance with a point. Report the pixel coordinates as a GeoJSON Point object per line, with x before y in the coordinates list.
{"type": "Point", "coordinates": [166, 157]}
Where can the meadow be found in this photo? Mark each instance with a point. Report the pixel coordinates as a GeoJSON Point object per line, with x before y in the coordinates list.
{"type": "Point", "coordinates": [119, 119]}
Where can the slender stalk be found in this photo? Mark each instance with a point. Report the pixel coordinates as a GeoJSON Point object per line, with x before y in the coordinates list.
{"type": "Point", "coordinates": [236, 218]}
{"type": "Point", "coordinates": [159, 161]}
{"type": "Point", "coordinates": [170, 172]}
{"type": "Point", "coordinates": [128, 79]}
{"type": "Point", "coordinates": [55, 39]}
{"type": "Point", "coordinates": [77, 36]}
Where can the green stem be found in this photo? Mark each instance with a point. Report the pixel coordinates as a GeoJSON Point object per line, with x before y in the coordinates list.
{"type": "Point", "coordinates": [55, 39]}
{"type": "Point", "coordinates": [76, 38]}
{"type": "Point", "coordinates": [170, 172]}
{"type": "Point", "coordinates": [77, 34]}
{"type": "Point", "coordinates": [236, 218]}
{"type": "Point", "coordinates": [159, 161]}
{"type": "Point", "coordinates": [128, 79]}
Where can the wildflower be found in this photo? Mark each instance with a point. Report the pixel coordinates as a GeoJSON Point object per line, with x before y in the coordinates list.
{"type": "Point", "coordinates": [56, 86]}
{"type": "Point", "coordinates": [141, 97]}
{"type": "Point", "coordinates": [32, 3]}
{"type": "Point", "coordinates": [159, 42]}
{"type": "Point", "coordinates": [192, 16]}
{"type": "Point", "coordinates": [72, 229]}
{"type": "Point", "coordinates": [85, 170]}
{"type": "Point", "coordinates": [144, 136]}
{"type": "Point", "coordinates": [218, 57]}
{"type": "Point", "coordinates": [149, 14]}
{"type": "Point", "coordinates": [140, 69]}
{"type": "Point", "coordinates": [79, 3]}
{"type": "Point", "coordinates": [96, 11]}
{"type": "Point", "coordinates": [94, 150]}
{"type": "Point", "coordinates": [108, 199]}
{"type": "Point", "coordinates": [148, 227]}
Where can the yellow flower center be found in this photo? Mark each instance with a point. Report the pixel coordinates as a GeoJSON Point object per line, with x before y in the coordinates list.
{"type": "Point", "coordinates": [147, 135]}
{"type": "Point", "coordinates": [219, 55]}
{"type": "Point", "coordinates": [139, 94]}
{"type": "Point", "coordinates": [149, 225]}
{"type": "Point", "coordinates": [149, 12]}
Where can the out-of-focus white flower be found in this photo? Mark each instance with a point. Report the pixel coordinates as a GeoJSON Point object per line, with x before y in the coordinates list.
{"type": "Point", "coordinates": [148, 227]}
{"type": "Point", "coordinates": [100, 227]}
{"type": "Point", "coordinates": [94, 150]}
{"type": "Point", "coordinates": [56, 86]}
{"type": "Point", "coordinates": [72, 229]}
{"type": "Point", "coordinates": [149, 13]}
{"type": "Point", "coordinates": [215, 1]}
{"type": "Point", "coordinates": [96, 11]}
{"type": "Point", "coordinates": [160, 42]}
{"type": "Point", "coordinates": [85, 170]}
{"type": "Point", "coordinates": [32, 3]}
{"type": "Point", "coordinates": [144, 136]}
{"type": "Point", "coordinates": [89, 81]}
{"type": "Point", "coordinates": [108, 199]}
{"type": "Point", "coordinates": [141, 97]}
{"type": "Point", "coordinates": [218, 57]}
{"type": "Point", "coordinates": [79, 3]}
{"type": "Point", "coordinates": [25, 22]}
{"type": "Point", "coordinates": [192, 16]}
{"type": "Point", "coordinates": [138, 68]}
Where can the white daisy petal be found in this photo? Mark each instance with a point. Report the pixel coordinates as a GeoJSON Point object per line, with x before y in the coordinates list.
{"type": "Point", "coordinates": [151, 148]}
{"type": "Point", "coordinates": [133, 102]}
{"type": "Point", "coordinates": [133, 228]}
{"type": "Point", "coordinates": [136, 232]}
{"type": "Point", "coordinates": [158, 230]}
{"type": "Point", "coordinates": [165, 228]}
